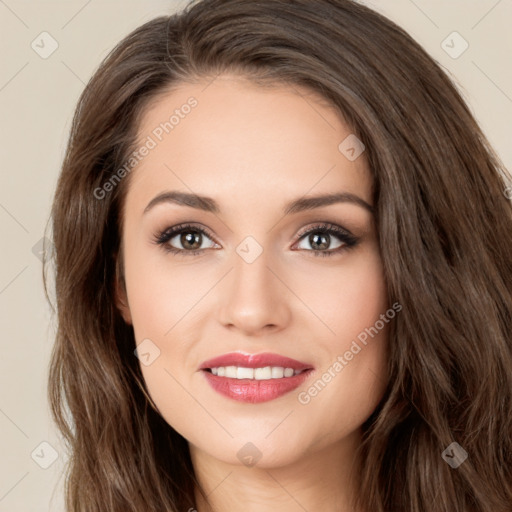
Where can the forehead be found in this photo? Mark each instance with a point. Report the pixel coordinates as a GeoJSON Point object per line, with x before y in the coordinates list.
{"type": "Point", "coordinates": [236, 140]}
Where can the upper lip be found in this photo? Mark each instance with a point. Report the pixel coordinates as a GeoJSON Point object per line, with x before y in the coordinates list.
{"type": "Point", "coordinates": [254, 361]}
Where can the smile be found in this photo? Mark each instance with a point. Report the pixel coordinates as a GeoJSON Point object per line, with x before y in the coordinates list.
{"type": "Point", "coordinates": [267, 372]}
{"type": "Point", "coordinates": [254, 378]}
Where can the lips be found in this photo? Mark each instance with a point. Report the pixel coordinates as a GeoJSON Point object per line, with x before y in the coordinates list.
{"type": "Point", "coordinates": [270, 375]}
{"type": "Point", "coordinates": [254, 361]}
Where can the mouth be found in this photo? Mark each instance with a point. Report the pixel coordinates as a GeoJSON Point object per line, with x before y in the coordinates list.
{"type": "Point", "coordinates": [254, 378]}
{"type": "Point", "coordinates": [263, 373]}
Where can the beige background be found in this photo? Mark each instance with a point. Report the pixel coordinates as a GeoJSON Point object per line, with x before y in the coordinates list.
{"type": "Point", "coordinates": [37, 99]}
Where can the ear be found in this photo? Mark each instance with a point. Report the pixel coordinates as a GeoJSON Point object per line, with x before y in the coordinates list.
{"type": "Point", "coordinates": [121, 297]}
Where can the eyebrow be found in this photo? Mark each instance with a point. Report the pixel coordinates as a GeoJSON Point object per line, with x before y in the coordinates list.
{"type": "Point", "coordinates": [208, 204]}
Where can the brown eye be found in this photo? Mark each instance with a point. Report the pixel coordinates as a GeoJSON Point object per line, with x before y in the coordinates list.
{"type": "Point", "coordinates": [190, 240]}
{"type": "Point", "coordinates": [327, 240]}
{"type": "Point", "coordinates": [184, 239]}
{"type": "Point", "coordinates": [321, 241]}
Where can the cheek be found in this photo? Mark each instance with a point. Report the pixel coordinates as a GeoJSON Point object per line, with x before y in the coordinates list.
{"type": "Point", "coordinates": [353, 377]}
{"type": "Point", "coordinates": [350, 298]}
{"type": "Point", "coordinates": [163, 383]}
{"type": "Point", "coordinates": [160, 294]}
{"type": "Point", "coordinates": [161, 297]}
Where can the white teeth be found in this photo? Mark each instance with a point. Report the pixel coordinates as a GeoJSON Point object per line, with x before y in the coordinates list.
{"type": "Point", "coordinates": [277, 372]}
{"type": "Point", "coordinates": [244, 373]}
{"type": "Point", "coordinates": [230, 372]}
{"type": "Point", "coordinates": [265, 373]}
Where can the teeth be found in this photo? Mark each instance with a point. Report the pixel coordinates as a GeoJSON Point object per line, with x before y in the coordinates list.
{"type": "Point", "coordinates": [268, 372]}
{"type": "Point", "coordinates": [277, 372]}
{"type": "Point", "coordinates": [244, 373]}
{"type": "Point", "coordinates": [263, 373]}
{"type": "Point", "coordinates": [230, 372]}
{"type": "Point", "coordinates": [288, 372]}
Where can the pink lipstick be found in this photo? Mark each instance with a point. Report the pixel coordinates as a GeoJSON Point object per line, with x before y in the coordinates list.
{"type": "Point", "coordinates": [254, 378]}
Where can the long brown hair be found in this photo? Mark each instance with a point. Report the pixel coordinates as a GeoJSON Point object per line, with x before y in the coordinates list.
{"type": "Point", "coordinates": [445, 230]}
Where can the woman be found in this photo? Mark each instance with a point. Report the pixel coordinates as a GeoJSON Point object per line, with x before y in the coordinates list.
{"type": "Point", "coordinates": [283, 272]}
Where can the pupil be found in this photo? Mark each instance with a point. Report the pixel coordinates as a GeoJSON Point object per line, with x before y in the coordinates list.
{"type": "Point", "coordinates": [192, 239]}
{"type": "Point", "coordinates": [314, 240]}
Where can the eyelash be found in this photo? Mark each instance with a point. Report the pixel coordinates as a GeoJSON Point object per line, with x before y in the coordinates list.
{"type": "Point", "coordinates": [161, 238]}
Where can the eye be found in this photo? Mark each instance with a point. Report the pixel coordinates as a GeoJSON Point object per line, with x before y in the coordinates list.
{"type": "Point", "coordinates": [320, 237]}
{"type": "Point", "coordinates": [188, 237]}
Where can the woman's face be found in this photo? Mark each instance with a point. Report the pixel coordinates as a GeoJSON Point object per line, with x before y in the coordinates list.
{"type": "Point", "coordinates": [261, 271]}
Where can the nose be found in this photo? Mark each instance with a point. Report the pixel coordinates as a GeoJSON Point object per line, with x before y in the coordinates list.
{"type": "Point", "coordinates": [254, 299]}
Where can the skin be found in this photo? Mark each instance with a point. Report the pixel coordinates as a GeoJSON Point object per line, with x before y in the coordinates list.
{"type": "Point", "coordinates": [253, 149]}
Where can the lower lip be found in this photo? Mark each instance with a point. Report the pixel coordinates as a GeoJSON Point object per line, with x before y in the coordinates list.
{"type": "Point", "coordinates": [255, 391]}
